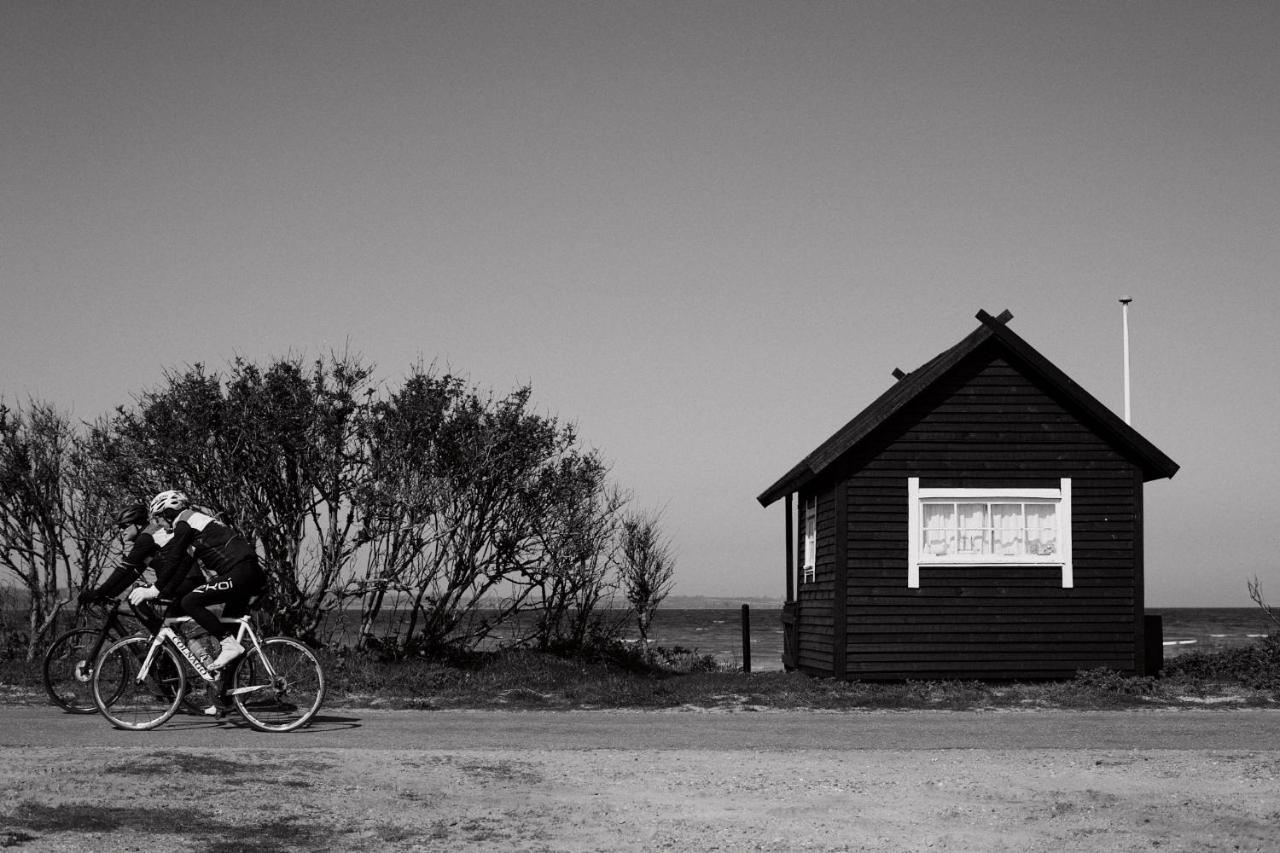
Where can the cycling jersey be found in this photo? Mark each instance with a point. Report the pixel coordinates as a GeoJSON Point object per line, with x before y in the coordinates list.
{"type": "Point", "coordinates": [176, 574]}
{"type": "Point", "coordinates": [216, 546]}
{"type": "Point", "coordinates": [147, 546]}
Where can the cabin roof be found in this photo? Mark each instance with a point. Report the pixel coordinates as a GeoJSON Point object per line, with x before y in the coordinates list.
{"type": "Point", "coordinates": [1154, 463]}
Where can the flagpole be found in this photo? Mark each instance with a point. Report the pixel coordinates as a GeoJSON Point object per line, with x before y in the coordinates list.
{"type": "Point", "coordinates": [1124, 316]}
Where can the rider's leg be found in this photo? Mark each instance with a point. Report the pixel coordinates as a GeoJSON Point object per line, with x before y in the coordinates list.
{"type": "Point", "coordinates": [233, 588]}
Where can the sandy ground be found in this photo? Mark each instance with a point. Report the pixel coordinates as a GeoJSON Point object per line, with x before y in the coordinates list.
{"type": "Point", "coordinates": [276, 799]}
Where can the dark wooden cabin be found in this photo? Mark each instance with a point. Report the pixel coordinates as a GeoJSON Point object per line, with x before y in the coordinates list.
{"type": "Point", "coordinates": [982, 519]}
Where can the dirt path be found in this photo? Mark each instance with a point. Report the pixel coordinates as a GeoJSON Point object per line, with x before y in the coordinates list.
{"type": "Point", "coordinates": [271, 795]}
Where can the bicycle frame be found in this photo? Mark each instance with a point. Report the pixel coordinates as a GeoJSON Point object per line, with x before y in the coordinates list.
{"type": "Point", "coordinates": [111, 618]}
{"type": "Point", "coordinates": [167, 634]}
{"type": "Point", "coordinates": [110, 627]}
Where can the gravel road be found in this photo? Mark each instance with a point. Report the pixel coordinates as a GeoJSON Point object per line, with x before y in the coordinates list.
{"type": "Point", "coordinates": [646, 781]}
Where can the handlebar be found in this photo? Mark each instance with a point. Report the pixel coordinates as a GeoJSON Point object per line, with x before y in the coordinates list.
{"type": "Point", "coordinates": [103, 604]}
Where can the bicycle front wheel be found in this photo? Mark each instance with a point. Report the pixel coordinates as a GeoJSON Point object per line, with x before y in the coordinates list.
{"type": "Point", "coordinates": [134, 702]}
{"type": "Point", "coordinates": [69, 670]}
{"type": "Point", "coordinates": [279, 686]}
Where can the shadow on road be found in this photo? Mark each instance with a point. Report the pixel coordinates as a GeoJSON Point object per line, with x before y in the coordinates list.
{"type": "Point", "coordinates": [330, 722]}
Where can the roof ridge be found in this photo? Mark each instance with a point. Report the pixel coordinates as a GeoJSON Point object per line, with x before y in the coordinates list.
{"type": "Point", "coordinates": [910, 385]}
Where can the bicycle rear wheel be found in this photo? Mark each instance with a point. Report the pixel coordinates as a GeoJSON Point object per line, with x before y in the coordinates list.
{"type": "Point", "coordinates": [138, 704]}
{"type": "Point", "coordinates": [69, 671]}
{"type": "Point", "coordinates": [278, 687]}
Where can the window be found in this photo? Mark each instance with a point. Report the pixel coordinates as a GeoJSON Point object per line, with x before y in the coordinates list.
{"type": "Point", "coordinates": [810, 567]}
{"type": "Point", "coordinates": [956, 529]}
{"type": "Point", "coordinates": [989, 527]}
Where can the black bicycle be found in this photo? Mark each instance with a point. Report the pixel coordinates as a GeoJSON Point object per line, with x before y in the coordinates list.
{"type": "Point", "coordinates": [71, 661]}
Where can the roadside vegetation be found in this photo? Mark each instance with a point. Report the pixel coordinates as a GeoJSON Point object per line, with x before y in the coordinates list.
{"type": "Point", "coordinates": [620, 678]}
{"type": "Point", "coordinates": [682, 679]}
{"type": "Point", "coordinates": [424, 516]}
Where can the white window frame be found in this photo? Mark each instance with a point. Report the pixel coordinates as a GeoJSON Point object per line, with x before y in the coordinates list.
{"type": "Point", "coordinates": [809, 566]}
{"type": "Point", "coordinates": [917, 497]}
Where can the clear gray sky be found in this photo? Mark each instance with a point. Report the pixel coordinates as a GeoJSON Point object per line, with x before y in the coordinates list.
{"type": "Point", "coordinates": [706, 232]}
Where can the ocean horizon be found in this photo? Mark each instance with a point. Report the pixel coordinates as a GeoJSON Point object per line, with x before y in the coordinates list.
{"type": "Point", "coordinates": [718, 631]}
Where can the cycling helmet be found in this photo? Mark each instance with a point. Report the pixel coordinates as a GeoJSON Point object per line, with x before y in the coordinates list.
{"type": "Point", "coordinates": [169, 503]}
{"type": "Point", "coordinates": [134, 514]}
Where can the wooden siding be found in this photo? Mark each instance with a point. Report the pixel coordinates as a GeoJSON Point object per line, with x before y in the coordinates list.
{"type": "Point", "coordinates": [988, 426]}
{"type": "Point", "coordinates": [816, 623]}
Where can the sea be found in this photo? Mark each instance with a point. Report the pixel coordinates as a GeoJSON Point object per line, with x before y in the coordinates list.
{"type": "Point", "coordinates": [718, 631]}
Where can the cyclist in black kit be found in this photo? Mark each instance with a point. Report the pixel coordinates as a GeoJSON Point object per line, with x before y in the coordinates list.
{"type": "Point", "coordinates": [221, 552]}
{"type": "Point", "coordinates": [148, 546]}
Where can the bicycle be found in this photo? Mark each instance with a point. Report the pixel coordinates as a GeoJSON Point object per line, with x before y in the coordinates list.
{"type": "Point", "coordinates": [69, 662]}
{"type": "Point", "coordinates": [277, 685]}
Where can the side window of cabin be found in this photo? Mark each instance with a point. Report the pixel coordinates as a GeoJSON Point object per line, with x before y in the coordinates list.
{"type": "Point", "coordinates": [810, 565]}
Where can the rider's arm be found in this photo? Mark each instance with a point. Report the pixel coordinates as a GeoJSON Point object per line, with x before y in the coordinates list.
{"type": "Point", "coordinates": [183, 532]}
{"type": "Point", "coordinates": [131, 567]}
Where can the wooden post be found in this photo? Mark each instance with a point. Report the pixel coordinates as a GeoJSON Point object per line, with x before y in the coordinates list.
{"type": "Point", "coordinates": [791, 552]}
{"type": "Point", "coordinates": [746, 638]}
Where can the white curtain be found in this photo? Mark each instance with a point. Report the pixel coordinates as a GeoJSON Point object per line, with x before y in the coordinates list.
{"type": "Point", "coordinates": [1042, 529]}
{"type": "Point", "coordinates": [939, 529]}
{"type": "Point", "coordinates": [1007, 529]}
{"type": "Point", "coordinates": [810, 535]}
{"type": "Point", "coordinates": [973, 529]}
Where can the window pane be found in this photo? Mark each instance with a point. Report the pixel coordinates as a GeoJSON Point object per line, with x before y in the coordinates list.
{"type": "Point", "coordinates": [1007, 529]}
{"type": "Point", "coordinates": [939, 529]}
{"type": "Point", "coordinates": [810, 533]}
{"type": "Point", "coordinates": [1042, 529]}
{"type": "Point", "coordinates": [973, 529]}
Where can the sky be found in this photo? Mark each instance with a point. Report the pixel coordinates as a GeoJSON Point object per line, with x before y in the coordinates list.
{"type": "Point", "coordinates": [704, 232]}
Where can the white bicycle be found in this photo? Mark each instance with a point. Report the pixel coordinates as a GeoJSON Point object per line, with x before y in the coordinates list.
{"type": "Point", "coordinates": [277, 685]}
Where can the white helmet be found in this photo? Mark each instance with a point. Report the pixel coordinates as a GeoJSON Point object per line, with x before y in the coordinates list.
{"type": "Point", "coordinates": [169, 503]}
